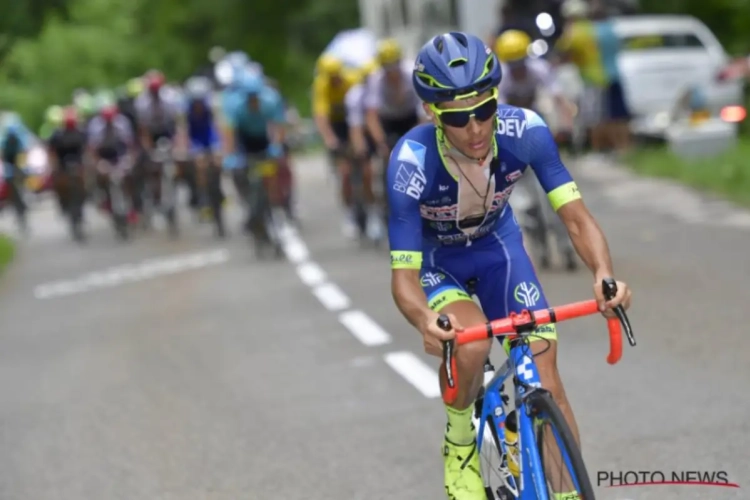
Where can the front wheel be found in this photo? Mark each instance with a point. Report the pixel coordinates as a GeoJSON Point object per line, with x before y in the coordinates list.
{"type": "Point", "coordinates": [564, 469]}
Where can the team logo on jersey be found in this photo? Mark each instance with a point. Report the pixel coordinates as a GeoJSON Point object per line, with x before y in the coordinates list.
{"type": "Point", "coordinates": [514, 176]}
{"type": "Point", "coordinates": [431, 279]}
{"type": "Point", "coordinates": [526, 293]}
{"type": "Point", "coordinates": [412, 152]}
{"type": "Point", "coordinates": [410, 181]}
{"type": "Point", "coordinates": [512, 127]}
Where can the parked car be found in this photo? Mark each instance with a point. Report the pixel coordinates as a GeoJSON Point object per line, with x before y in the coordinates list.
{"type": "Point", "coordinates": [664, 57]}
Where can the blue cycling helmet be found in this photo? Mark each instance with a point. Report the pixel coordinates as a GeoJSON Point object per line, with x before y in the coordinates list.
{"type": "Point", "coordinates": [250, 82]}
{"type": "Point", "coordinates": [454, 65]}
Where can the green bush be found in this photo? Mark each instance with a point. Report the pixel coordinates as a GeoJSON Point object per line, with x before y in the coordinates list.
{"type": "Point", "coordinates": [6, 251]}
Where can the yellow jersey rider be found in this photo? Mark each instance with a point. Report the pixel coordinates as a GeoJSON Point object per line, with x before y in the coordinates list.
{"type": "Point", "coordinates": [333, 80]}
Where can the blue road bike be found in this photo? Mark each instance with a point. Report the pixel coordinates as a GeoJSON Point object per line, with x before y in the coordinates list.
{"type": "Point", "coordinates": [544, 439]}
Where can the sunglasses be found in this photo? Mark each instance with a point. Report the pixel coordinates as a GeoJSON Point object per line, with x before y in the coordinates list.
{"type": "Point", "coordinates": [460, 117]}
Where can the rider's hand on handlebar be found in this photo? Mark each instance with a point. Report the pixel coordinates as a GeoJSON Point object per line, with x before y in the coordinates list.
{"type": "Point", "coordinates": [622, 297]}
{"type": "Point", "coordinates": [434, 336]}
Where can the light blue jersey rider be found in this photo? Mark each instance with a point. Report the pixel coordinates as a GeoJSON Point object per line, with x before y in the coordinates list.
{"type": "Point", "coordinates": [253, 112]}
{"type": "Point", "coordinates": [15, 139]}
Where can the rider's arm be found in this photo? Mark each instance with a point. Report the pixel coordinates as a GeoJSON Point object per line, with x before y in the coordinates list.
{"type": "Point", "coordinates": [93, 138]}
{"type": "Point", "coordinates": [355, 118]}
{"type": "Point", "coordinates": [547, 76]}
{"type": "Point", "coordinates": [372, 105]}
{"type": "Point", "coordinates": [405, 235]}
{"type": "Point", "coordinates": [565, 198]}
{"type": "Point", "coordinates": [126, 133]}
{"type": "Point", "coordinates": [227, 123]}
{"type": "Point", "coordinates": [141, 112]}
{"type": "Point", "coordinates": [277, 123]}
{"type": "Point", "coordinates": [52, 152]}
{"type": "Point", "coordinates": [322, 110]}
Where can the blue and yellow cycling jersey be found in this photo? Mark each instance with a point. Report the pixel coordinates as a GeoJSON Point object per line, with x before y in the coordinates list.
{"type": "Point", "coordinates": [423, 225]}
{"type": "Point", "coordinates": [423, 194]}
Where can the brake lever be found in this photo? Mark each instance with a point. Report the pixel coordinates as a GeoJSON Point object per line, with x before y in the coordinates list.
{"type": "Point", "coordinates": [448, 347]}
{"type": "Point", "coordinates": [609, 287]}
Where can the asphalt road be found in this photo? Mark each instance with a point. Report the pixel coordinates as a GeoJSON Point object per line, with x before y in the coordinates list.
{"type": "Point", "coordinates": [188, 370]}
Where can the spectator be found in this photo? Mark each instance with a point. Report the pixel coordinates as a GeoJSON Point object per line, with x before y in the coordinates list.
{"type": "Point", "coordinates": [578, 44]}
{"type": "Point", "coordinates": [616, 115]}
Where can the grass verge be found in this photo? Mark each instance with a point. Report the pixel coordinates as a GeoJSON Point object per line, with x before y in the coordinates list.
{"type": "Point", "coordinates": [6, 251]}
{"type": "Point", "coordinates": [727, 175]}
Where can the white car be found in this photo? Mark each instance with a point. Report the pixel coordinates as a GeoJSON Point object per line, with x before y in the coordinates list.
{"type": "Point", "coordinates": [662, 57]}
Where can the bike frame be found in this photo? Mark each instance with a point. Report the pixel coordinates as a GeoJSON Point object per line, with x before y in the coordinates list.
{"type": "Point", "coordinates": [531, 484]}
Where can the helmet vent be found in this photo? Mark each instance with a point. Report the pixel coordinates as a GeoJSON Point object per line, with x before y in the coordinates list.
{"type": "Point", "coordinates": [457, 62]}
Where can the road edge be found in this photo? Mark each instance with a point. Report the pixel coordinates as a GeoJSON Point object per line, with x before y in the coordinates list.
{"type": "Point", "coordinates": [7, 252]}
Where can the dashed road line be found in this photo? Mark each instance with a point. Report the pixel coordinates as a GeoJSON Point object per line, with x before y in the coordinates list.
{"type": "Point", "coordinates": [362, 327]}
{"type": "Point", "coordinates": [416, 372]}
{"type": "Point", "coordinates": [332, 297]}
{"type": "Point", "coordinates": [131, 273]}
{"type": "Point", "coordinates": [311, 274]}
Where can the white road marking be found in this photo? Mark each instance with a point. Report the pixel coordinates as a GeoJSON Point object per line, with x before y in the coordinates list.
{"type": "Point", "coordinates": [416, 372]}
{"type": "Point", "coordinates": [311, 274]}
{"type": "Point", "coordinates": [331, 296]}
{"type": "Point", "coordinates": [131, 273]}
{"type": "Point", "coordinates": [364, 328]}
{"type": "Point", "coordinates": [294, 248]}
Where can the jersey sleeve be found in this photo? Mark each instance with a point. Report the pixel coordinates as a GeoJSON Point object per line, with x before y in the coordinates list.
{"type": "Point", "coordinates": [123, 127]}
{"type": "Point", "coordinates": [277, 113]}
{"type": "Point", "coordinates": [94, 132]}
{"type": "Point", "coordinates": [229, 110]}
{"type": "Point", "coordinates": [355, 115]}
{"type": "Point", "coordinates": [406, 184]}
{"type": "Point", "coordinates": [372, 98]}
{"type": "Point", "coordinates": [540, 149]}
{"type": "Point", "coordinates": [320, 99]}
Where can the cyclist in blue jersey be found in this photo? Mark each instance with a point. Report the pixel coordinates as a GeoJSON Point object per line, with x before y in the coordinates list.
{"type": "Point", "coordinates": [254, 127]}
{"type": "Point", "coordinates": [15, 142]}
{"type": "Point", "coordinates": [204, 147]}
{"type": "Point", "coordinates": [452, 232]}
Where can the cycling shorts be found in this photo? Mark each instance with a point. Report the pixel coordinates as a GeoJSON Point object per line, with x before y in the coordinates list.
{"type": "Point", "coordinates": [505, 278]}
{"type": "Point", "coordinates": [341, 130]}
{"type": "Point", "coordinates": [198, 147]}
{"type": "Point", "coordinates": [253, 145]}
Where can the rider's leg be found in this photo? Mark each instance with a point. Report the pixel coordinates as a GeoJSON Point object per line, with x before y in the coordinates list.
{"type": "Point", "coordinates": [462, 469]}
{"type": "Point", "coordinates": [201, 161]}
{"type": "Point", "coordinates": [509, 284]}
{"type": "Point", "coordinates": [60, 181]}
{"type": "Point", "coordinates": [374, 221]}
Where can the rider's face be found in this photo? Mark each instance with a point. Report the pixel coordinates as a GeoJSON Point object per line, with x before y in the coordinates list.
{"type": "Point", "coordinates": [253, 103]}
{"type": "Point", "coordinates": [393, 73]}
{"type": "Point", "coordinates": [474, 138]}
{"type": "Point", "coordinates": [518, 70]}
